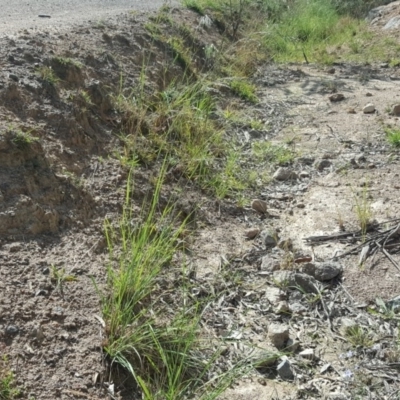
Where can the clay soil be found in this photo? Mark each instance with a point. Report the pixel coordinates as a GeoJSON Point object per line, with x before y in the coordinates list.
{"type": "Point", "coordinates": [57, 191]}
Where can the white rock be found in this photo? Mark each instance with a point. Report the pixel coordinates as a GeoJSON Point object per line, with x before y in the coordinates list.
{"type": "Point", "coordinates": [369, 109]}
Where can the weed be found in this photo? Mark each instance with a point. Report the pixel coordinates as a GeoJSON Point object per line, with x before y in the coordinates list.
{"type": "Point", "coordinates": [359, 336]}
{"type": "Point", "coordinates": [393, 136]}
{"type": "Point", "coordinates": [66, 61]}
{"type": "Point", "coordinates": [23, 140]}
{"type": "Point", "coordinates": [194, 5]}
{"type": "Point", "coordinates": [395, 62]}
{"type": "Point", "coordinates": [8, 391]}
{"type": "Point", "coordinates": [47, 74]}
{"type": "Point", "coordinates": [273, 154]}
{"type": "Point", "coordinates": [59, 277]}
{"type": "Point", "coordinates": [244, 89]}
{"type": "Point", "coordinates": [363, 209]}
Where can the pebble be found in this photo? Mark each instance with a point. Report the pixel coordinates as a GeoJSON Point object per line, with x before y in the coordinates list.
{"type": "Point", "coordinates": [252, 233]}
{"type": "Point", "coordinates": [259, 205]}
{"type": "Point", "coordinates": [278, 334]}
{"type": "Point", "coordinates": [270, 264]}
{"type": "Point", "coordinates": [321, 164]}
{"type": "Point", "coordinates": [369, 109]}
{"type": "Point", "coordinates": [284, 174]}
{"type": "Point", "coordinates": [12, 330]}
{"type": "Point", "coordinates": [327, 270]}
{"type": "Point", "coordinates": [269, 238]}
{"type": "Point", "coordinates": [305, 282]}
{"type": "Point", "coordinates": [304, 174]}
{"type": "Point", "coordinates": [336, 97]}
{"type": "Point", "coordinates": [274, 295]}
{"type": "Point", "coordinates": [285, 370]}
{"type": "Point", "coordinates": [308, 354]}
{"type": "Point", "coordinates": [396, 109]}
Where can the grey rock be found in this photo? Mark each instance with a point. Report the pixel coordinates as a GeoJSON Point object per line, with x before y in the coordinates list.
{"type": "Point", "coordinates": [321, 164]}
{"type": "Point", "coordinates": [269, 238]}
{"type": "Point", "coordinates": [278, 334]}
{"type": "Point", "coordinates": [11, 330]}
{"type": "Point", "coordinates": [284, 174]}
{"type": "Point", "coordinates": [308, 354]}
{"type": "Point", "coordinates": [282, 308]}
{"type": "Point", "coordinates": [274, 295]}
{"type": "Point", "coordinates": [285, 370]}
{"type": "Point", "coordinates": [393, 23]}
{"type": "Point", "coordinates": [269, 263]}
{"type": "Point", "coordinates": [327, 270]}
{"type": "Point", "coordinates": [304, 282]}
{"type": "Point", "coordinates": [304, 174]}
{"type": "Point", "coordinates": [369, 109]}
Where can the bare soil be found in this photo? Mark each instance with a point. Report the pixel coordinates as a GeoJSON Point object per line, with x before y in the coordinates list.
{"type": "Point", "coordinates": [56, 192]}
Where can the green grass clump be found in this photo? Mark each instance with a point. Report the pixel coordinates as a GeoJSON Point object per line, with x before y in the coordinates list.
{"type": "Point", "coordinates": [47, 75]}
{"type": "Point", "coordinates": [23, 140]}
{"type": "Point", "coordinates": [393, 136]}
{"type": "Point", "coordinates": [159, 344]}
{"type": "Point", "coordinates": [8, 390]}
{"type": "Point", "coordinates": [273, 154]}
{"type": "Point", "coordinates": [244, 89]}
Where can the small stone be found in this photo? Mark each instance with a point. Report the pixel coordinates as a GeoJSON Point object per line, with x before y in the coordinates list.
{"type": "Point", "coordinates": [274, 295]}
{"type": "Point", "coordinates": [396, 109]}
{"type": "Point", "coordinates": [285, 244]}
{"type": "Point", "coordinates": [259, 205]}
{"type": "Point", "coordinates": [331, 70]}
{"type": "Point", "coordinates": [351, 110]}
{"type": "Point", "coordinates": [304, 174]}
{"type": "Point", "coordinates": [285, 370]}
{"type": "Point", "coordinates": [270, 264]}
{"type": "Point", "coordinates": [360, 158]}
{"type": "Point", "coordinates": [278, 335]}
{"type": "Point", "coordinates": [327, 270]}
{"type": "Point", "coordinates": [46, 271]}
{"type": "Point", "coordinates": [41, 292]}
{"type": "Point", "coordinates": [252, 233]}
{"type": "Point", "coordinates": [282, 308]}
{"type": "Point", "coordinates": [12, 330]}
{"type": "Point", "coordinates": [368, 94]}
{"type": "Point", "coordinates": [284, 174]}
{"type": "Point", "coordinates": [304, 282]}
{"type": "Point", "coordinates": [369, 109]}
{"type": "Point", "coordinates": [308, 354]}
{"type": "Point", "coordinates": [14, 77]}
{"type": "Point", "coordinates": [269, 238]}
{"type": "Point", "coordinates": [336, 97]}
{"type": "Point", "coordinates": [321, 164]}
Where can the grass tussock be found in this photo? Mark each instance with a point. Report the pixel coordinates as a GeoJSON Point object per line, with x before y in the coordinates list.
{"type": "Point", "coordinates": [153, 331]}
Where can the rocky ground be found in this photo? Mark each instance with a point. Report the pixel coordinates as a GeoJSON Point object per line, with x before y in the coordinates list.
{"type": "Point", "coordinates": [278, 263]}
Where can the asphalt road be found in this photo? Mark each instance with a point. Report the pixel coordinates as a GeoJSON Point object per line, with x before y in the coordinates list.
{"type": "Point", "coordinates": [24, 14]}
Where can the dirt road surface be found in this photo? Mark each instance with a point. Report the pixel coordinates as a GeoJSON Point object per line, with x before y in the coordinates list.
{"type": "Point", "coordinates": [39, 14]}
